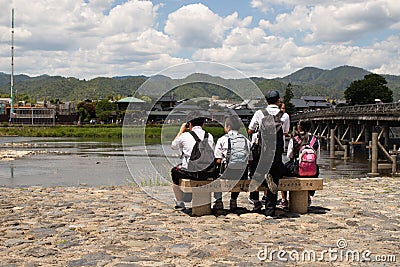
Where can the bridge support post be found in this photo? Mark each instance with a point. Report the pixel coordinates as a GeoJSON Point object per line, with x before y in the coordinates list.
{"type": "Point", "coordinates": [346, 153]}
{"type": "Point", "coordinates": [332, 144]}
{"type": "Point", "coordinates": [374, 155]}
{"type": "Point", "coordinates": [394, 165]}
{"type": "Point", "coordinates": [352, 147]}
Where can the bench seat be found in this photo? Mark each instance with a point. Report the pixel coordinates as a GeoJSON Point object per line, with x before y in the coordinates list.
{"type": "Point", "coordinates": [201, 191]}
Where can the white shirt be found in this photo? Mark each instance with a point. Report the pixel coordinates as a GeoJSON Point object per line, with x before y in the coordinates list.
{"type": "Point", "coordinates": [221, 148]}
{"type": "Point", "coordinates": [285, 119]}
{"type": "Point", "coordinates": [185, 142]}
{"type": "Point", "coordinates": [259, 115]}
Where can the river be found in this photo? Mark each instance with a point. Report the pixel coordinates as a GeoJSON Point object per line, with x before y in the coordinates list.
{"type": "Point", "coordinates": [74, 162]}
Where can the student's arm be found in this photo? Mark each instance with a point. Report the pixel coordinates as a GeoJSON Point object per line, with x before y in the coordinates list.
{"type": "Point", "coordinates": [175, 142]}
{"type": "Point", "coordinates": [254, 122]}
{"type": "Point", "coordinates": [290, 149]}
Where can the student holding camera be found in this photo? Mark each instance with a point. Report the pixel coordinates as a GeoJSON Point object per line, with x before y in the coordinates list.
{"type": "Point", "coordinates": [185, 141]}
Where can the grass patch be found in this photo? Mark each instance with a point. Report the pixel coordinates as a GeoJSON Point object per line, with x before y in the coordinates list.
{"type": "Point", "coordinates": [154, 134]}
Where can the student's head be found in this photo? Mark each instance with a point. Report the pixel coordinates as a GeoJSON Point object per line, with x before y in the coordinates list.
{"type": "Point", "coordinates": [272, 97]}
{"type": "Point", "coordinates": [282, 106]}
{"type": "Point", "coordinates": [232, 123]}
{"type": "Point", "coordinates": [197, 121]}
{"type": "Point", "coordinates": [304, 125]}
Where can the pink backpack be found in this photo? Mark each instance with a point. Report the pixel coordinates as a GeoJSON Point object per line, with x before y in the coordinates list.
{"type": "Point", "coordinates": [307, 158]}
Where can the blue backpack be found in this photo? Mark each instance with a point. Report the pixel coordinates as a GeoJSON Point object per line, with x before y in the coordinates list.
{"type": "Point", "coordinates": [237, 155]}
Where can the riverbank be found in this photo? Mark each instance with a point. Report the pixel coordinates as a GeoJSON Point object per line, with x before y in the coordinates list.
{"type": "Point", "coordinates": [153, 133]}
{"type": "Point", "coordinates": [122, 226]}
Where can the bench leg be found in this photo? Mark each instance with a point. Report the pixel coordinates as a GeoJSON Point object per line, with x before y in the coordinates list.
{"type": "Point", "coordinates": [201, 203]}
{"type": "Point", "coordinates": [298, 201]}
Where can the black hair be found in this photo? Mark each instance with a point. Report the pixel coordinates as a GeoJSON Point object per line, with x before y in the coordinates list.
{"type": "Point", "coordinates": [233, 122]}
{"type": "Point", "coordinates": [272, 97]}
{"type": "Point", "coordinates": [199, 121]}
{"type": "Point", "coordinates": [305, 125]}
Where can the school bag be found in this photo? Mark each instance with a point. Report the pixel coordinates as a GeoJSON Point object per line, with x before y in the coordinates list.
{"type": "Point", "coordinates": [271, 125]}
{"type": "Point", "coordinates": [307, 166]}
{"type": "Point", "coordinates": [237, 154]}
{"type": "Point", "coordinates": [201, 163]}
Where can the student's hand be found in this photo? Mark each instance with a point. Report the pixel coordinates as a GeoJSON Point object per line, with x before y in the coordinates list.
{"type": "Point", "coordinates": [183, 128]}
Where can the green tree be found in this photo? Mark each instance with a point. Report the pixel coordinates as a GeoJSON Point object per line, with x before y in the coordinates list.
{"type": "Point", "coordinates": [86, 110]}
{"type": "Point", "coordinates": [287, 98]}
{"type": "Point", "coordinates": [105, 110]}
{"type": "Point", "coordinates": [367, 90]}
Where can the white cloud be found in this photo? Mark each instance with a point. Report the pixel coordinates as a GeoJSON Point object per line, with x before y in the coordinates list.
{"type": "Point", "coordinates": [76, 38]}
{"type": "Point", "coordinates": [297, 20]}
{"type": "Point", "coordinates": [195, 26]}
{"type": "Point", "coordinates": [337, 21]}
{"type": "Point", "coordinates": [133, 16]}
{"type": "Point", "coordinates": [87, 39]}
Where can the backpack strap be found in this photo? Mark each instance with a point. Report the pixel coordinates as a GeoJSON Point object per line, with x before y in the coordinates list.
{"type": "Point", "coordinates": [195, 136]}
{"type": "Point", "coordinates": [264, 112]}
{"type": "Point", "coordinates": [297, 138]}
{"type": "Point", "coordinates": [228, 153]}
{"type": "Point", "coordinates": [279, 115]}
{"type": "Point", "coordinates": [313, 140]}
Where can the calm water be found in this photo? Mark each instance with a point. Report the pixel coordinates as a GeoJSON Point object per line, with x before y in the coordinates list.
{"type": "Point", "coordinates": [94, 163]}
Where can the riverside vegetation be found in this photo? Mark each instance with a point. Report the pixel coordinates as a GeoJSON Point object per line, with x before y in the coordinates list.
{"type": "Point", "coordinates": [153, 133]}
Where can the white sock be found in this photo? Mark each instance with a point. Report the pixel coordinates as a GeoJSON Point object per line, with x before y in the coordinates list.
{"type": "Point", "coordinates": [180, 203]}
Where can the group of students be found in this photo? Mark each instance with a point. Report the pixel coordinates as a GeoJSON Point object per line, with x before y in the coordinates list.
{"type": "Point", "coordinates": [233, 148]}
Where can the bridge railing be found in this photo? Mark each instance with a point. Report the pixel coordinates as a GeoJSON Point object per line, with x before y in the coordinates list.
{"type": "Point", "coordinates": [375, 109]}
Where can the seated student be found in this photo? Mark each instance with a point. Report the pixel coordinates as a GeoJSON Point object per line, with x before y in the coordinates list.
{"type": "Point", "coordinates": [185, 142]}
{"type": "Point", "coordinates": [232, 152]}
{"type": "Point", "coordinates": [303, 137]}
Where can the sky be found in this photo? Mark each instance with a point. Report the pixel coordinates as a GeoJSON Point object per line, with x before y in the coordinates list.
{"type": "Point", "coordinates": [259, 38]}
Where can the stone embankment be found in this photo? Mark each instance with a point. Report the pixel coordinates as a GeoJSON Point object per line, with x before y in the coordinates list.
{"type": "Point", "coordinates": [122, 226]}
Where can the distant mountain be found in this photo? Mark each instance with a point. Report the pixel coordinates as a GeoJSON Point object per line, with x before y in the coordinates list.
{"type": "Point", "coordinates": [338, 78]}
{"type": "Point", "coordinates": [6, 78]}
{"type": "Point", "coordinates": [303, 76]}
{"type": "Point", "coordinates": [330, 83]}
{"type": "Point", "coordinates": [306, 81]}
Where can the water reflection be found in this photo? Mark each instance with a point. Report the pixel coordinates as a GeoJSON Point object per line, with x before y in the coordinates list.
{"type": "Point", "coordinates": [72, 162]}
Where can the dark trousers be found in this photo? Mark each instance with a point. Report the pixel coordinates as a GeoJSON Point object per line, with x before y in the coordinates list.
{"type": "Point", "coordinates": [271, 199]}
{"type": "Point", "coordinates": [177, 173]}
{"type": "Point", "coordinates": [289, 171]}
{"type": "Point", "coordinates": [232, 174]}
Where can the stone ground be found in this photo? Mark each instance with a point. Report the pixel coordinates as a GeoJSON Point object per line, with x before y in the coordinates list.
{"type": "Point", "coordinates": [122, 226]}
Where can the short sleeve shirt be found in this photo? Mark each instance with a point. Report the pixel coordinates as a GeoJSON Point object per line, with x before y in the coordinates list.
{"type": "Point", "coordinates": [185, 142]}
{"type": "Point", "coordinates": [221, 148]}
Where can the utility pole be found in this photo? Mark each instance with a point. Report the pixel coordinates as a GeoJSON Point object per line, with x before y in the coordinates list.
{"type": "Point", "coordinates": [12, 64]}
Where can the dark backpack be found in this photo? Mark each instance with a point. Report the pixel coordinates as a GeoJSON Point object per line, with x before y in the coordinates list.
{"type": "Point", "coordinates": [201, 163]}
{"type": "Point", "coordinates": [271, 125]}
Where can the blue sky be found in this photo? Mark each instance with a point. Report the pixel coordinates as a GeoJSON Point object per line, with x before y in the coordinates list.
{"type": "Point", "coordinates": [265, 38]}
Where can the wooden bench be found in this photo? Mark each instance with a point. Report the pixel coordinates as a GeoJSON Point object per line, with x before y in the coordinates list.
{"type": "Point", "coordinates": [201, 191]}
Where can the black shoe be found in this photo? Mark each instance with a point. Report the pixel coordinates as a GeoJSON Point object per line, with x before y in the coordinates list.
{"type": "Point", "coordinates": [257, 206]}
{"type": "Point", "coordinates": [218, 205]}
{"type": "Point", "coordinates": [264, 200]}
{"type": "Point", "coordinates": [269, 212]}
{"type": "Point", "coordinates": [179, 206]}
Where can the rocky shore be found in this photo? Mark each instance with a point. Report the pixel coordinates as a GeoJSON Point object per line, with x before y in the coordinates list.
{"type": "Point", "coordinates": [12, 151]}
{"type": "Point", "coordinates": [122, 226]}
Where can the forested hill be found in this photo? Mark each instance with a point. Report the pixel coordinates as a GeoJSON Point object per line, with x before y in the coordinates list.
{"type": "Point", "coordinates": [306, 81]}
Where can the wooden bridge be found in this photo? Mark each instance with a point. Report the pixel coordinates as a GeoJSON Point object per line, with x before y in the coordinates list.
{"type": "Point", "coordinates": [375, 127]}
